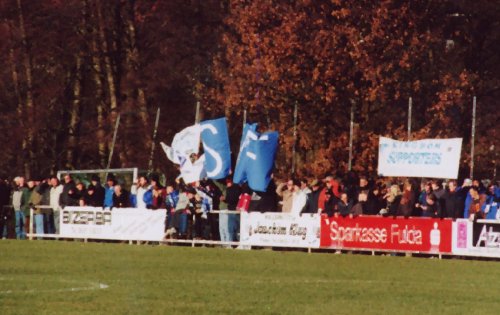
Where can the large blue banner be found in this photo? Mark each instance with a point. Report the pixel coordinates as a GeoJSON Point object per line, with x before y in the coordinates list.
{"type": "Point", "coordinates": [215, 139]}
{"type": "Point", "coordinates": [261, 155]}
{"type": "Point", "coordinates": [240, 173]}
{"type": "Point", "coordinates": [256, 159]}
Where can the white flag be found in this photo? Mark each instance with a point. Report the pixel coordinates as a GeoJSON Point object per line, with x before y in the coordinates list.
{"type": "Point", "coordinates": [184, 144]}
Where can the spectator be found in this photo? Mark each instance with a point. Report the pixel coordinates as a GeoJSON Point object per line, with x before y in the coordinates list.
{"type": "Point", "coordinates": [477, 201]}
{"type": "Point", "coordinates": [393, 199]}
{"type": "Point", "coordinates": [299, 198]}
{"type": "Point", "coordinates": [80, 194]}
{"type": "Point", "coordinates": [184, 208]}
{"type": "Point", "coordinates": [304, 187]}
{"type": "Point", "coordinates": [96, 198]}
{"type": "Point", "coordinates": [491, 205]}
{"type": "Point", "coordinates": [40, 197]}
{"type": "Point", "coordinates": [55, 196]}
{"type": "Point", "coordinates": [453, 201]}
{"type": "Point", "coordinates": [432, 208]}
{"type": "Point", "coordinates": [439, 191]}
{"type": "Point", "coordinates": [17, 203]}
{"type": "Point", "coordinates": [25, 204]}
{"type": "Point", "coordinates": [422, 198]}
{"type": "Point", "coordinates": [407, 201]}
{"type": "Point", "coordinates": [285, 191]}
{"type": "Point", "coordinates": [121, 198]}
{"type": "Point", "coordinates": [344, 205]}
{"type": "Point", "coordinates": [69, 195]}
{"type": "Point", "coordinates": [155, 197]}
{"type": "Point", "coordinates": [109, 190]}
{"type": "Point", "coordinates": [5, 192]}
{"type": "Point", "coordinates": [329, 205]}
{"type": "Point", "coordinates": [375, 201]}
{"type": "Point", "coordinates": [142, 188]}
{"type": "Point", "coordinates": [360, 207]}
{"type": "Point", "coordinates": [170, 204]}
{"type": "Point", "coordinates": [312, 198]}
{"type": "Point", "coordinates": [333, 187]}
{"type": "Point", "coordinates": [268, 199]}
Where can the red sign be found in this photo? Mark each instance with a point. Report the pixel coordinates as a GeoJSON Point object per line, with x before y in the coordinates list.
{"type": "Point", "coordinates": [387, 233]}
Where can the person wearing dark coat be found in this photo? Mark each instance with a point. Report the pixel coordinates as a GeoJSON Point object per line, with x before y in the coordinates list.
{"type": "Point", "coordinates": [4, 200]}
{"type": "Point", "coordinates": [312, 198]}
{"type": "Point", "coordinates": [268, 200]}
{"type": "Point", "coordinates": [454, 201]}
{"type": "Point", "coordinates": [344, 205]}
{"type": "Point", "coordinates": [69, 196]}
{"type": "Point", "coordinates": [330, 204]}
{"type": "Point", "coordinates": [121, 198]}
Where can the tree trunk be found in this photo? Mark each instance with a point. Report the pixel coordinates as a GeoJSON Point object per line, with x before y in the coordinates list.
{"type": "Point", "coordinates": [113, 102]}
{"type": "Point", "coordinates": [99, 93]}
{"type": "Point", "coordinates": [74, 115]}
{"type": "Point", "coordinates": [28, 143]}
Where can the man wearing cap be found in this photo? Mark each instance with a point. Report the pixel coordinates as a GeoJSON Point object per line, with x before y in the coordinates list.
{"type": "Point", "coordinates": [285, 191]}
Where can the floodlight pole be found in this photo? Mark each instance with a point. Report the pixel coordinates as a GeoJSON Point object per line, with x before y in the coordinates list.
{"type": "Point", "coordinates": [351, 136]}
{"type": "Point", "coordinates": [151, 156]}
{"type": "Point", "coordinates": [473, 132]}
{"type": "Point", "coordinates": [294, 148]}
{"type": "Point", "coordinates": [410, 103]}
{"type": "Point", "coordinates": [112, 145]}
{"type": "Point", "coordinates": [244, 117]}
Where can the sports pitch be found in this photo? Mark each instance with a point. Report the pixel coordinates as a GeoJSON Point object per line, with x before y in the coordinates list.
{"type": "Point", "coordinates": [51, 277]}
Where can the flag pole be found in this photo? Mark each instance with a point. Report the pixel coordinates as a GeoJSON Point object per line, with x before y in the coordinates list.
{"type": "Point", "coordinates": [197, 116]}
{"type": "Point", "coordinates": [473, 131]}
{"type": "Point", "coordinates": [112, 146]}
{"type": "Point", "coordinates": [351, 136]}
{"type": "Point", "coordinates": [151, 156]}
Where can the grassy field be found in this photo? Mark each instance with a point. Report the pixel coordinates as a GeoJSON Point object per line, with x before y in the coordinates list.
{"type": "Point", "coordinates": [49, 277]}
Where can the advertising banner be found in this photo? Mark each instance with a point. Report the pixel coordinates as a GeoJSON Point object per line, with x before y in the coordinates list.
{"type": "Point", "coordinates": [280, 229]}
{"type": "Point", "coordinates": [117, 224]}
{"type": "Point", "coordinates": [433, 158]}
{"type": "Point", "coordinates": [481, 238]}
{"type": "Point", "coordinates": [423, 235]}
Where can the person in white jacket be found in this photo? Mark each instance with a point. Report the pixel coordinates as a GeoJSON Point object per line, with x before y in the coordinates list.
{"type": "Point", "coordinates": [299, 198]}
{"type": "Point", "coordinates": [55, 195]}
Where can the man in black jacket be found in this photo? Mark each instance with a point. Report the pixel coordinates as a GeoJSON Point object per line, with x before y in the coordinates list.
{"type": "Point", "coordinates": [453, 201]}
{"type": "Point", "coordinates": [69, 196]}
{"type": "Point", "coordinates": [4, 200]}
{"type": "Point", "coordinates": [312, 198]}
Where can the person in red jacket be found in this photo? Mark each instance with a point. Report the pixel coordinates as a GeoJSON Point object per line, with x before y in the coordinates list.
{"type": "Point", "coordinates": [333, 187]}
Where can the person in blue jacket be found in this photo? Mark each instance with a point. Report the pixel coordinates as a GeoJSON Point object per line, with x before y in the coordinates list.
{"type": "Point", "coordinates": [490, 207]}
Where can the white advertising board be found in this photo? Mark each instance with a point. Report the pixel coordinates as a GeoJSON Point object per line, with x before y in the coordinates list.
{"type": "Point", "coordinates": [433, 158]}
{"type": "Point", "coordinates": [280, 229]}
{"type": "Point", "coordinates": [117, 224]}
{"type": "Point", "coordinates": [480, 239]}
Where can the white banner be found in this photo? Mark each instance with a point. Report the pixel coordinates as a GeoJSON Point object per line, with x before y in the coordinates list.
{"type": "Point", "coordinates": [480, 239]}
{"type": "Point", "coordinates": [280, 229]}
{"type": "Point", "coordinates": [434, 158]}
{"type": "Point", "coordinates": [117, 224]}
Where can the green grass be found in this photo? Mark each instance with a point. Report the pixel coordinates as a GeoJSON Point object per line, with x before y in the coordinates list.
{"type": "Point", "coordinates": [35, 278]}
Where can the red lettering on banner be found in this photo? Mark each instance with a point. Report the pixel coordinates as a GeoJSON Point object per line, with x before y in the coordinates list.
{"type": "Point", "coordinates": [374, 232]}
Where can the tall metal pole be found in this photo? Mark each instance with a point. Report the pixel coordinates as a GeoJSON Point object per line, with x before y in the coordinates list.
{"type": "Point", "coordinates": [351, 136]}
{"type": "Point", "coordinates": [244, 117]}
{"type": "Point", "coordinates": [295, 114]}
{"type": "Point", "coordinates": [112, 145]}
{"type": "Point", "coordinates": [151, 155]}
{"type": "Point", "coordinates": [410, 103]}
{"type": "Point", "coordinates": [197, 117]}
{"type": "Point", "coordinates": [473, 138]}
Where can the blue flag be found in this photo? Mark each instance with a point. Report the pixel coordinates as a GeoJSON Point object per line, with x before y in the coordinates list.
{"type": "Point", "coordinates": [240, 173]}
{"type": "Point", "coordinates": [215, 139]}
{"type": "Point", "coordinates": [261, 155]}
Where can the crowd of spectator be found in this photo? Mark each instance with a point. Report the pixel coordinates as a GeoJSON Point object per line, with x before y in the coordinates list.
{"type": "Point", "coordinates": [191, 208]}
